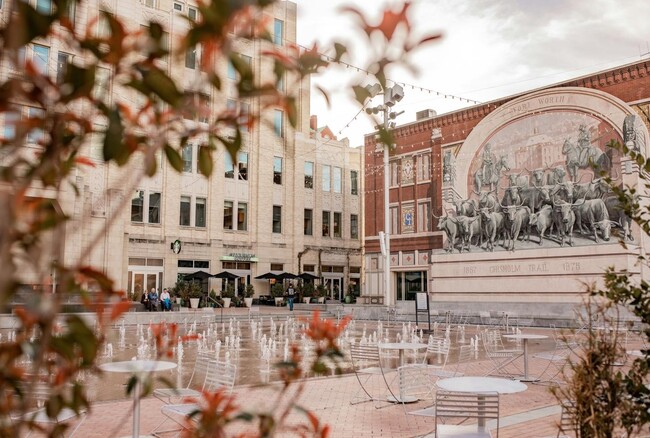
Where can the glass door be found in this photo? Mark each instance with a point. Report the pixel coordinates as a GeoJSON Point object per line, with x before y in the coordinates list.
{"type": "Point", "coordinates": [144, 282]}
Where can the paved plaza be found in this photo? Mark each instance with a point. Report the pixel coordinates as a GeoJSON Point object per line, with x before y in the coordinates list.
{"type": "Point", "coordinates": [532, 413]}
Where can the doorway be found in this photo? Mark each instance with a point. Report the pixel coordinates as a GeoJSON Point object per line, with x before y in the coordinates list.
{"type": "Point", "coordinates": [334, 287]}
{"type": "Point", "coordinates": [144, 281]}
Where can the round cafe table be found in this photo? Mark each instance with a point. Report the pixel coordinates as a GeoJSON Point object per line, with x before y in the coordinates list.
{"type": "Point", "coordinates": [139, 368]}
{"type": "Point", "coordinates": [401, 347]}
{"type": "Point", "coordinates": [526, 337]}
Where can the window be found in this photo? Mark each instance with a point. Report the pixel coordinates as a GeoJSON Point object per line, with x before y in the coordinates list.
{"type": "Point", "coordinates": [227, 215]}
{"type": "Point", "coordinates": [178, 7]}
{"type": "Point", "coordinates": [394, 229]}
{"type": "Point", "coordinates": [192, 13]}
{"type": "Point", "coordinates": [243, 120]}
{"type": "Point", "coordinates": [277, 267]}
{"type": "Point", "coordinates": [326, 224]}
{"type": "Point", "coordinates": [424, 168]}
{"type": "Point", "coordinates": [280, 84]}
{"type": "Point", "coordinates": [186, 154]}
{"type": "Point", "coordinates": [337, 179]}
{"type": "Point", "coordinates": [410, 283]}
{"type": "Point", "coordinates": [191, 57]}
{"type": "Point", "coordinates": [197, 107]}
{"type": "Point", "coordinates": [62, 61]}
{"type": "Point", "coordinates": [11, 119]}
{"type": "Point", "coordinates": [242, 216]}
{"type": "Point", "coordinates": [150, 3]}
{"type": "Point", "coordinates": [35, 135]}
{"type": "Point", "coordinates": [199, 212]}
{"type": "Point", "coordinates": [393, 174]}
{"type": "Point", "coordinates": [186, 202]}
{"type": "Point", "coordinates": [326, 178]}
{"type": "Point", "coordinates": [308, 219]}
{"type": "Point", "coordinates": [154, 208]}
{"type": "Point", "coordinates": [337, 224]}
{"type": "Point", "coordinates": [71, 12]}
{"type": "Point", "coordinates": [277, 170]}
{"type": "Point", "coordinates": [44, 6]}
{"type": "Point", "coordinates": [229, 167]}
{"type": "Point", "coordinates": [278, 123]}
{"type": "Point", "coordinates": [309, 175]}
{"type": "Point", "coordinates": [232, 72]}
{"type": "Point", "coordinates": [277, 219]}
{"type": "Point", "coordinates": [278, 32]}
{"type": "Point", "coordinates": [424, 217]}
{"type": "Point", "coordinates": [354, 182]}
{"type": "Point", "coordinates": [41, 58]}
{"type": "Point", "coordinates": [354, 226]}
{"type": "Point", "coordinates": [242, 166]}
{"type": "Point", "coordinates": [137, 206]}
{"type": "Point", "coordinates": [102, 83]}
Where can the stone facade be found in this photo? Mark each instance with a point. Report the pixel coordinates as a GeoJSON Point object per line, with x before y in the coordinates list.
{"type": "Point", "coordinates": [517, 141]}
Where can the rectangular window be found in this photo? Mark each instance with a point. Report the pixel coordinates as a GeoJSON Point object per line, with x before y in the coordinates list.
{"type": "Point", "coordinates": [394, 229]}
{"type": "Point", "coordinates": [11, 119]}
{"type": "Point", "coordinates": [192, 13]}
{"type": "Point", "coordinates": [178, 7]}
{"type": "Point", "coordinates": [278, 123]}
{"type": "Point", "coordinates": [277, 219]}
{"type": "Point", "coordinates": [102, 83]}
{"type": "Point", "coordinates": [62, 61]}
{"type": "Point", "coordinates": [423, 168]}
{"type": "Point", "coordinates": [191, 58]}
{"type": "Point", "coordinates": [44, 6]}
{"type": "Point", "coordinates": [424, 217]}
{"type": "Point", "coordinates": [186, 202]}
{"type": "Point", "coordinates": [231, 105]}
{"type": "Point", "coordinates": [337, 224]}
{"type": "Point", "coordinates": [186, 154]}
{"type": "Point", "coordinates": [309, 175]}
{"type": "Point", "coordinates": [354, 182]}
{"type": "Point", "coordinates": [278, 32]}
{"type": "Point", "coordinates": [229, 167]}
{"type": "Point", "coordinates": [41, 58]}
{"type": "Point", "coordinates": [227, 215]}
{"type": "Point", "coordinates": [154, 208]}
{"type": "Point", "coordinates": [354, 226]}
{"type": "Point", "coordinates": [326, 224]}
{"type": "Point", "coordinates": [277, 267]}
{"type": "Point", "coordinates": [337, 174]}
{"type": "Point", "coordinates": [308, 219]}
{"type": "Point", "coordinates": [150, 3]}
{"type": "Point", "coordinates": [242, 216]}
{"type": "Point", "coordinates": [277, 170]}
{"type": "Point", "coordinates": [203, 107]}
{"type": "Point", "coordinates": [137, 206]}
{"type": "Point", "coordinates": [71, 12]}
{"type": "Point", "coordinates": [244, 119]}
{"type": "Point", "coordinates": [231, 73]}
{"type": "Point", "coordinates": [326, 178]}
{"type": "Point", "coordinates": [35, 135]}
{"type": "Point", "coordinates": [242, 166]}
{"type": "Point", "coordinates": [200, 212]}
{"type": "Point", "coordinates": [393, 174]}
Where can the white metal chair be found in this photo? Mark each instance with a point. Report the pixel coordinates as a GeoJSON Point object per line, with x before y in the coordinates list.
{"type": "Point", "coordinates": [568, 423]}
{"type": "Point", "coordinates": [220, 375]}
{"type": "Point", "coordinates": [367, 367]}
{"type": "Point", "coordinates": [481, 406]}
{"type": "Point", "coordinates": [500, 356]}
{"type": "Point", "coordinates": [195, 385]}
{"type": "Point", "coordinates": [437, 352]}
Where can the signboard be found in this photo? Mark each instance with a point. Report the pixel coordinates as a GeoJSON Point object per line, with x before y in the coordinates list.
{"type": "Point", "coordinates": [422, 305]}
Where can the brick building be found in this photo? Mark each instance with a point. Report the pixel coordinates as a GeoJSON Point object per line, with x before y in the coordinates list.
{"type": "Point", "coordinates": [439, 160]}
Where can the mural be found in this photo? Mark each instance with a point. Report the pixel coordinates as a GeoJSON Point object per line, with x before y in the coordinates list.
{"type": "Point", "coordinates": [537, 181]}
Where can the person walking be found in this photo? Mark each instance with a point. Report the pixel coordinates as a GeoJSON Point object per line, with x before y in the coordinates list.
{"type": "Point", "coordinates": [291, 294]}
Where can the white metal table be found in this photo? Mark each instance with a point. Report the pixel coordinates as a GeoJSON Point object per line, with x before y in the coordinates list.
{"type": "Point", "coordinates": [476, 384]}
{"type": "Point", "coordinates": [139, 368]}
{"type": "Point", "coordinates": [401, 347]}
{"type": "Point", "coordinates": [526, 337]}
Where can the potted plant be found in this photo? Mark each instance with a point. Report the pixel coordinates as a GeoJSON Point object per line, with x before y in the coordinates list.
{"type": "Point", "coordinates": [195, 293]}
{"type": "Point", "coordinates": [213, 299]}
{"type": "Point", "coordinates": [321, 293]}
{"type": "Point", "coordinates": [181, 292]}
{"type": "Point", "coordinates": [228, 295]}
{"type": "Point", "coordinates": [249, 291]}
{"type": "Point", "coordinates": [277, 291]}
{"type": "Point", "coordinates": [349, 297]}
{"type": "Point", "coordinates": [307, 292]}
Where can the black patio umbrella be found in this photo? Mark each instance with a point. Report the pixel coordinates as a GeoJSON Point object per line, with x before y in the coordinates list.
{"type": "Point", "coordinates": [198, 275]}
{"type": "Point", "coordinates": [286, 276]}
{"type": "Point", "coordinates": [227, 275]}
{"type": "Point", "coordinates": [308, 276]}
{"type": "Point", "coordinates": [267, 276]}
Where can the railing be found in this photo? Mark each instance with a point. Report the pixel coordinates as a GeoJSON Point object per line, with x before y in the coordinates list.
{"type": "Point", "coordinates": [218, 304]}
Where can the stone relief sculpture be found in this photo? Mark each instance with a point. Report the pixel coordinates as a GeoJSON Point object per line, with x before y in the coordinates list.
{"type": "Point", "coordinates": [575, 206]}
{"type": "Point", "coordinates": [448, 169]}
{"type": "Point", "coordinates": [633, 133]}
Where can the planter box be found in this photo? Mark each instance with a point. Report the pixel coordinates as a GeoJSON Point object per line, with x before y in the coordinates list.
{"type": "Point", "coordinates": [279, 301]}
{"type": "Point", "coordinates": [226, 302]}
{"type": "Point", "coordinates": [194, 303]}
{"type": "Point", "coordinates": [306, 300]}
{"type": "Point", "coordinates": [249, 302]}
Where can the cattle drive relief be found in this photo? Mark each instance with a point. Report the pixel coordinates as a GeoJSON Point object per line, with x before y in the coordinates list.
{"type": "Point", "coordinates": [538, 182]}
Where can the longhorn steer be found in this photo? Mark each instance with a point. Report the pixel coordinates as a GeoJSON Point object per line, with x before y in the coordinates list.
{"type": "Point", "coordinates": [564, 218]}
{"type": "Point", "coordinates": [450, 226]}
{"type": "Point", "coordinates": [535, 197]}
{"type": "Point", "coordinates": [542, 220]}
{"type": "Point", "coordinates": [619, 218]}
{"type": "Point", "coordinates": [517, 179]}
{"type": "Point", "coordinates": [488, 200]}
{"type": "Point", "coordinates": [555, 176]}
{"type": "Point", "coordinates": [516, 219]}
{"type": "Point", "coordinates": [466, 207]}
{"type": "Point", "coordinates": [468, 228]}
{"type": "Point", "coordinates": [537, 177]}
{"type": "Point", "coordinates": [564, 190]}
{"type": "Point", "coordinates": [594, 213]}
{"type": "Point", "coordinates": [511, 196]}
{"type": "Point", "coordinates": [492, 222]}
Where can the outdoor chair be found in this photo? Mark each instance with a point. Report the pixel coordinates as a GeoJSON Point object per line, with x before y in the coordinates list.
{"type": "Point", "coordinates": [437, 352]}
{"type": "Point", "coordinates": [368, 369]}
{"type": "Point", "coordinates": [556, 359]}
{"type": "Point", "coordinates": [198, 379]}
{"type": "Point", "coordinates": [480, 406]}
{"type": "Point", "coordinates": [39, 393]}
{"type": "Point", "coordinates": [500, 356]}
{"type": "Point", "coordinates": [221, 375]}
{"type": "Point", "coordinates": [485, 318]}
{"type": "Point", "coordinates": [568, 423]}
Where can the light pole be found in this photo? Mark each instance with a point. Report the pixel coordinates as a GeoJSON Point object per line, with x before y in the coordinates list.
{"type": "Point", "coordinates": [392, 95]}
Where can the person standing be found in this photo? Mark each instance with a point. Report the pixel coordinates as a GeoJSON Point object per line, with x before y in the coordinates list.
{"type": "Point", "coordinates": [291, 294]}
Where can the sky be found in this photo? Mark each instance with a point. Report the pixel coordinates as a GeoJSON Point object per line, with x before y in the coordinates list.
{"type": "Point", "coordinates": [489, 49]}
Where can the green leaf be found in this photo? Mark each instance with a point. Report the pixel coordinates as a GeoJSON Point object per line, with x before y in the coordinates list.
{"type": "Point", "coordinates": [205, 160]}
{"type": "Point", "coordinates": [292, 111]}
{"type": "Point", "coordinates": [114, 147]}
{"type": "Point", "coordinates": [340, 51]}
{"type": "Point", "coordinates": [26, 25]}
{"type": "Point", "coordinates": [174, 158]}
{"type": "Point", "coordinates": [81, 80]}
{"type": "Point", "coordinates": [162, 85]}
{"type": "Point", "coordinates": [361, 94]}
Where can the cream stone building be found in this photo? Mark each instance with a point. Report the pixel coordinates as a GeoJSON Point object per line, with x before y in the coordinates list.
{"type": "Point", "coordinates": [289, 202]}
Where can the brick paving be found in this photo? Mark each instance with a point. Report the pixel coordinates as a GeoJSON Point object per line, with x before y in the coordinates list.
{"type": "Point", "coordinates": [329, 397]}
